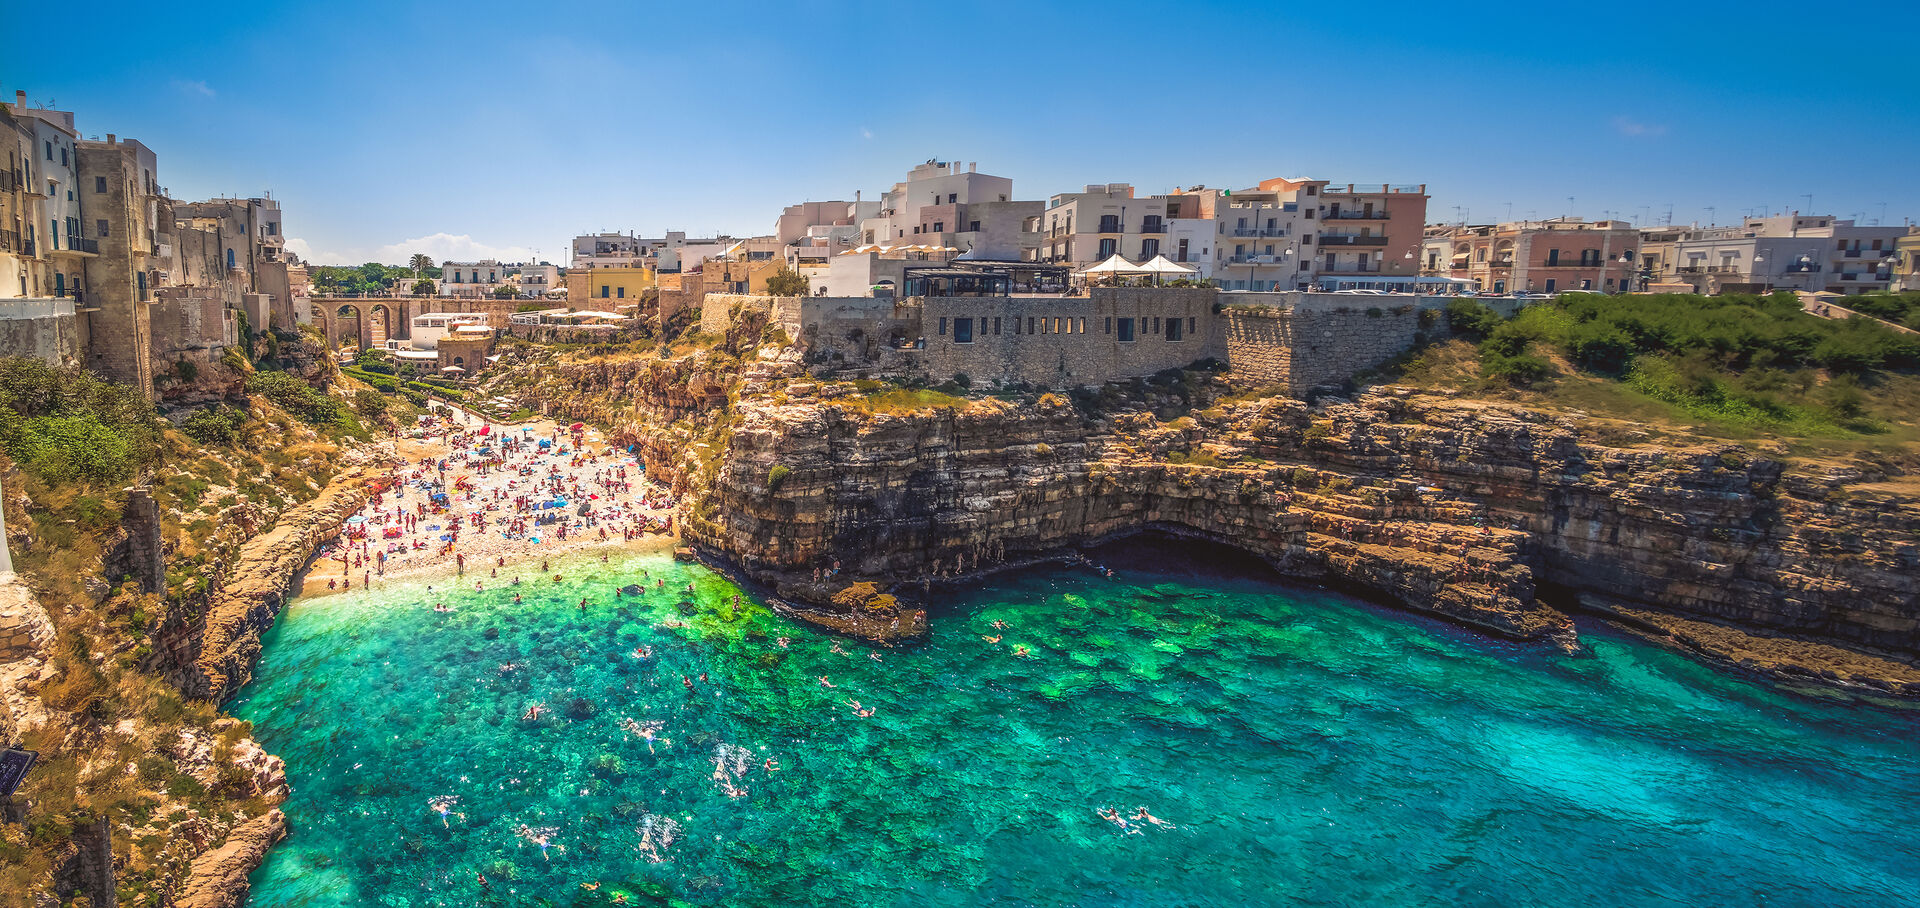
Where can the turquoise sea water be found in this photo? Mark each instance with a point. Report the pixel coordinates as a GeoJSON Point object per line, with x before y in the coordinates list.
{"type": "Point", "coordinates": [1306, 749]}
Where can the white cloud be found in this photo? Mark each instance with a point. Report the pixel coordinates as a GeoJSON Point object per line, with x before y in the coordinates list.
{"type": "Point", "coordinates": [1631, 127]}
{"type": "Point", "coordinates": [866, 133]}
{"type": "Point", "coordinates": [440, 247]}
{"type": "Point", "coordinates": [193, 87]}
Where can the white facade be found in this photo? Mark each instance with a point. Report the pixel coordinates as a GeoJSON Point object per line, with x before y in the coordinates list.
{"type": "Point", "coordinates": [539, 279]}
{"type": "Point", "coordinates": [472, 279]}
{"type": "Point", "coordinates": [430, 328]}
{"type": "Point", "coordinates": [60, 235]}
{"type": "Point", "coordinates": [932, 183]}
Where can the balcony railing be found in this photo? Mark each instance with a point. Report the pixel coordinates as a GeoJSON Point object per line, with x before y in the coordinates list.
{"type": "Point", "coordinates": [9, 240]}
{"type": "Point", "coordinates": [1356, 216]}
{"type": "Point", "coordinates": [1153, 227]}
{"type": "Point", "coordinates": [1335, 239]}
{"type": "Point", "coordinates": [83, 244]}
{"type": "Point", "coordinates": [1259, 231]}
{"type": "Point", "coordinates": [8, 182]}
{"type": "Point", "coordinates": [1247, 259]}
{"type": "Point", "coordinates": [1853, 253]}
{"type": "Point", "coordinates": [1574, 263]}
{"type": "Point", "coordinates": [1350, 269]}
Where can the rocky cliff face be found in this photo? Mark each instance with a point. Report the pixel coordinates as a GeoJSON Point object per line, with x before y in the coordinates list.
{"type": "Point", "coordinates": [1460, 509]}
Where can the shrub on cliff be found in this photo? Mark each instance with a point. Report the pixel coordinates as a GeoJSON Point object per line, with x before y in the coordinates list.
{"type": "Point", "coordinates": [304, 401]}
{"type": "Point", "coordinates": [215, 425]}
{"type": "Point", "coordinates": [1471, 318]}
{"type": "Point", "coordinates": [777, 476]}
{"type": "Point", "coordinates": [67, 425]}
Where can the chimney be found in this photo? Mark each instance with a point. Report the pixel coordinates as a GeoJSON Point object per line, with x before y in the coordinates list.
{"type": "Point", "coordinates": [109, 138]}
{"type": "Point", "coordinates": [20, 98]}
{"type": "Point", "coordinates": [973, 166]}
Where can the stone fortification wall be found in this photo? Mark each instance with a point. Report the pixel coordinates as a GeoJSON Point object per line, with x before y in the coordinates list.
{"type": "Point", "coordinates": [1061, 342]}
{"type": "Point", "coordinates": [191, 323]}
{"type": "Point", "coordinates": [42, 329]}
{"type": "Point", "coordinates": [1302, 340]}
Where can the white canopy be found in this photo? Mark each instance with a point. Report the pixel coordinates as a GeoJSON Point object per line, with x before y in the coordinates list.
{"type": "Point", "coordinates": [1160, 264]}
{"type": "Point", "coordinates": [1114, 265]}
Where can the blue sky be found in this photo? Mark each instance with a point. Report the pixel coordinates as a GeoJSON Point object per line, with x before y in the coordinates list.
{"type": "Point", "coordinates": [490, 128]}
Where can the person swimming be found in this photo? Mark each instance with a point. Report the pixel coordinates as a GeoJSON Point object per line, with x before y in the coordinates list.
{"type": "Point", "coordinates": [1142, 814]}
{"type": "Point", "coordinates": [783, 641]}
{"type": "Point", "coordinates": [999, 625]}
{"type": "Point", "coordinates": [874, 656]}
{"type": "Point", "coordinates": [1020, 650]}
{"type": "Point", "coordinates": [825, 683]}
{"type": "Point", "coordinates": [993, 639]}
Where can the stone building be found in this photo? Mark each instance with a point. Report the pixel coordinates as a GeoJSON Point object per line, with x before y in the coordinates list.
{"type": "Point", "coordinates": [465, 348]}
{"type": "Point", "coordinates": [1549, 256]}
{"type": "Point", "coordinates": [124, 202]}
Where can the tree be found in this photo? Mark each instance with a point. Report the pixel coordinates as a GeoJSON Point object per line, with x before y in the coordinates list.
{"type": "Point", "coordinates": [507, 292]}
{"type": "Point", "coordinates": [787, 282]}
{"type": "Point", "coordinates": [423, 287]}
{"type": "Point", "coordinates": [419, 263]}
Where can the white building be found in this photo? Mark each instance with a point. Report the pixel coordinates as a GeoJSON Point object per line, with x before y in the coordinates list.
{"type": "Point", "coordinates": [472, 279]}
{"type": "Point", "coordinates": [539, 279]}
{"type": "Point", "coordinates": [428, 329]}
{"type": "Point", "coordinates": [62, 239]}
{"type": "Point", "coordinates": [934, 183]}
{"type": "Point", "coordinates": [1785, 252]}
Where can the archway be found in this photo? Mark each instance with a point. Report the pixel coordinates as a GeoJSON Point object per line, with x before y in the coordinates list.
{"type": "Point", "coordinates": [350, 328]}
{"type": "Point", "coordinates": [381, 328]}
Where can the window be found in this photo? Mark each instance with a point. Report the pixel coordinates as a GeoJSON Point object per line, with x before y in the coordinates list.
{"type": "Point", "coordinates": [1306, 239]}
{"type": "Point", "coordinates": [943, 326]}
{"type": "Point", "coordinates": [49, 151]}
{"type": "Point", "coordinates": [1083, 324]}
{"type": "Point", "coordinates": [99, 184]}
{"type": "Point", "coordinates": [1029, 324]}
{"type": "Point", "coordinates": [1106, 249]}
{"type": "Point", "coordinates": [1016, 325]}
{"type": "Point", "coordinates": [952, 197]}
{"type": "Point", "coordinates": [63, 155]}
{"type": "Point", "coordinates": [1126, 330]}
{"type": "Point", "coordinates": [963, 331]}
{"type": "Point", "coordinates": [1173, 329]}
{"type": "Point", "coordinates": [1553, 257]}
{"type": "Point", "coordinates": [620, 293]}
{"type": "Point", "coordinates": [603, 291]}
{"type": "Point", "coordinates": [939, 226]}
{"type": "Point", "coordinates": [1586, 285]}
{"type": "Point", "coordinates": [1191, 322]}
{"type": "Point", "coordinates": [1550, 283]}
{"type": "Point", "coordinates": [1156, 324]}
{"type": "Point", "coordinates": [1151, 248]}
{"type": "Point", "coordinates": [973, 226]}
{"type": "Point", "coordinates": [1056, 324]}
{"type": "Point", "coordinates": [100, 226]}
{"type": "Point", "coordinates": [1109, 326]}
{"type": "Point", "coordinates": [996, 326]}
{"type": "Point", "coordinates": [1109, 223]}
{"type": "Point", "coordinates": [230, 264]}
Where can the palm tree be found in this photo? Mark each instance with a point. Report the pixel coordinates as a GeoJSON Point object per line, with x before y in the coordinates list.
{"type": "Point", "coordinates": [419, 263]}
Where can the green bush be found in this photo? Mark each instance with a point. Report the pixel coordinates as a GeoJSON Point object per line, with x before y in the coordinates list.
{"type": "Point", "coordinates": [777, 476]}
{"type": "Point", "coordinates": [67, 425]}
{"type": "Point", "coordinates": [304, 401]}
{"type": "Point", "coordinates": [215, 425]}
{"type": "Point", "coordinates": [1471, 318]}
{"type": "Point", "coordinates": [369, 403]}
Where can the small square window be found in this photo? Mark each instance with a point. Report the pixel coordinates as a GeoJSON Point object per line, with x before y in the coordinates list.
{"type": "Point", "coordinates": [101, 226]}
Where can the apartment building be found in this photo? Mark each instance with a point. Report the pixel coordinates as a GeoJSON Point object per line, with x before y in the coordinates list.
{"type": "Point", "coordinates": [901, 219]}
{"type": "Point", "coordinates": [1783, 252]}
{"type": "Point", "coordinates": [55, 227]}
{"type": "Point", "coordinates": [537, 279]}
{"type": "Point", "coordinates": [240, 243]}
{"type": "Point", "coordinates": [1101, 221]}
{"type": "Point", "coordinates": [1906, 264]}
{"type": "Point", "coordinates": [469, 280]}
{"type": "Point", "coordinates": [22, 270]}
{"type": "Point", "coordinates": [1562, 254]}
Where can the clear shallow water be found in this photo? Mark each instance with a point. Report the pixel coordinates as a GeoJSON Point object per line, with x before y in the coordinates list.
{"type": "Point", "coordinates": [1308, 749]}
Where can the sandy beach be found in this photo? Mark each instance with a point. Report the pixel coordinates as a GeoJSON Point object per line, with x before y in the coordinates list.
{"type": "Point", "coordinates": [491, 503]}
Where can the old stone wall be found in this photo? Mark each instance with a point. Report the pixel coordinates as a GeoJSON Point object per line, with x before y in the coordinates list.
{"type": "Point", "coordinates": [1059, 342]}
{"type": "Point", "coordinates": [42, 329]}
{"type": "Point", "coordinates": [190, 323]}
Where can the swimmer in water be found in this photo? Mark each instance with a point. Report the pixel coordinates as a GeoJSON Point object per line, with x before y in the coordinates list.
{"type": "Point", "coordinates": [516, 598]}
{"type": "Point", "coordinates": [534, 712]}
{"type": "Point", "coordinates": [1019, 650]}
{"type": "Point", "coordinates": [836, 650]}
{"type": "Point", "coordinates": [583, 605]}
{"type": "Point", "coordinates": [1142, 814]}
{"type": "Point", "coordinates": [642, 652]}
{"type": "Point", "coordinates": [874, 656]}
{"type": "Point", "coordinates": [516, 581]}
{"type": "Point", "coordinates": [825, 683]}
{"type": "Point", "coordinates": [999, 625]}
{"type": "Point", "coordinates": [993, 639]}
{"type": "Point", "coordinates": [556, 578]}
{"type": "Point", "coordinates": [783, 642]}
{"type": "Point", "coordinates": [476, 586]}
{"type": "Point", "coordinates": [773, 765]}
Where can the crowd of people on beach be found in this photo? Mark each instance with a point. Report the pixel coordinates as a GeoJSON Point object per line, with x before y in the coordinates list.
{"type": "Point", "coordinates": [499, 493]}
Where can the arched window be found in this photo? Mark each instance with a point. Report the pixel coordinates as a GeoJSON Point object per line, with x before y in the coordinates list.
{"type": "Point", "coordinates": [229, 259]}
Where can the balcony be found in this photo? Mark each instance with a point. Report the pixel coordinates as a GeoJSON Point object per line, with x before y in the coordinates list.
{"type": "Point", "coordinates": [1349, 269]}
{"type": "Point", "coordinates": [8, 182]}
{"type": "Point", "coordinates": [9, 240]}
{"type": "Point", "coordinates": [1153, 226]}
{"type": "Point", "coordinates": [1259, 231]}
{"type": "Point", "coordinates": [1356, 216]}
{"type": "Point", "coordinates": [1253, 259]}
{"type": "Point", "coordinates": [83, 244]}
{"type": "Point", "coordinates": [1852, 253]}
{"type": "Point", "coordinates": [1334, 239]}
{"type": "Point", "coordinates": [1576, 263]}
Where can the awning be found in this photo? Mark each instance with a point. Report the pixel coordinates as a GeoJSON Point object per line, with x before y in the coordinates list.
{"type": "Point", "coordinates": [1160, 264]}
{"type": "Point", "coordinates": [1114, 265]}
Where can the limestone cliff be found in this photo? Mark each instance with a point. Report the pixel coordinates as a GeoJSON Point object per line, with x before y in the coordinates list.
{"type": "Point", "coordinates": [1455, 508]}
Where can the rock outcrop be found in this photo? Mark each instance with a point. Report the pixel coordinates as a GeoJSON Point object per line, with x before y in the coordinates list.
{"type": "Point", "coordinates": [252, 594]}
{"type": "Point", "coordinates": [218, 877]}
{"type": "Point", "coordinates": [1454, 508]}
